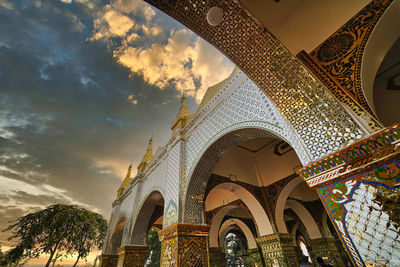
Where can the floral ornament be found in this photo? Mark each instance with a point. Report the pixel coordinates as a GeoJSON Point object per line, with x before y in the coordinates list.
{"type": "Point", "coordinates": [335, 47]}
{"type": "Point", "coordinates": [337, 197]}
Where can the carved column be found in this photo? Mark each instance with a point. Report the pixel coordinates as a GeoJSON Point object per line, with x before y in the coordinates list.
{"type": "Point", "coordinates": [132, 256]}
{"type": "Point", "coordinates": [216, 257]}
{"type": "Point", "coordinates": [254, 258]}
{"type": "Point", "coordinates": [360, 189]}
{"type": "Point", "coordinates": [184, 245]}
{"type": "Point", "coordinates": [326, 247]}
{"type": "Point", "coordinates": [299, 254]}
{"type": "Point", "coordinates": [278, 250]}
{"type": "Point", "coordinates": [108, 260]}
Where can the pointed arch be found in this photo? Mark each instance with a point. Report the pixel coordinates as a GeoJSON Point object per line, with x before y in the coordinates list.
{"type": "Point", "coordinates": [193, 208]}
{"type": "Point", "coordinates": [227, 226]}
{"type": "Point", "coordinates": [144, 217]}
{"type": "Point", "coordinates": [305, 217]}
{"type": "Point", "coordinates": [116, 237]}
{"type": "Point", "coordinates": [281, 202]}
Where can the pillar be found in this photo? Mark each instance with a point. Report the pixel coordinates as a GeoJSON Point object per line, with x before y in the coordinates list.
{"type": "Point", "coordinates": [277, 250]}
{"type": "Point", "coordinates": [184, 245]}
{"type": "Point", "coordinates": [132, 256]}
{"type": "Point", "coordinates": [299, 254]}
{"type": "Point", "coordinates": [216, 257]}
{"type": "Point", "coordinates": [109, 260]}
{"type": "Point", "coordinates": [253, 258]}
{"type": "Point", "coordinates": [360, 189]}
{"type": "Point", "coordinates": [326, 247]}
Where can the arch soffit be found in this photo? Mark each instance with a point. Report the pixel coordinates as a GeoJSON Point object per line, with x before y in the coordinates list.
{"type": "Point", "coordinates": [270, 131]}
{"type": "Point", "coordinates": [281, 202]}
{"type": "Point", "coordinates": [383, 36]}
{"type": "Point", "coordinates": [227, 226]}
{"type": "Point", "coordinates": [113, 232]}
{"type": "Point", "coordinates": [120, 217]}
{"type": "Point", "coordinates": [258, 213]}
{"type": "Point", "coordinates": [144, 197]}
{"type": "Point", "coordinates": [305, 217]}
{"type": "Point", "coordinates": [294, 230]}
{"type": "Point", "coordinates": [216, 222]}
{"type": "Point", "coordinates": [136, 213]}
{"type": "Point", "coordinates": [229, 137]}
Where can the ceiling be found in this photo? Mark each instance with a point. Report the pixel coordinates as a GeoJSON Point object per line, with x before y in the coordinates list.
{"type": "Point", "coordinates": [387, 87]}
{"type": "Point", "coordinates": [303, 24]}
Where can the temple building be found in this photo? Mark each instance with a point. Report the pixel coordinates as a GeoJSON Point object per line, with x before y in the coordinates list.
{"type": "Point", "coordinates": [295, 157]}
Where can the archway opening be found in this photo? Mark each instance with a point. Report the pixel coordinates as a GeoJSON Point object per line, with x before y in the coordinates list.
{"type": "Point", "coordinates": [149, 221]}
{"type": "Point", "coordinates": [228, 182]}
{"type": "Point", "coordinates": [116, 237]}
{"type": "Point", "coordinates": [248, 158]}
{"type": "Point", "coordinates": [235, 248]}
{"type": "Point", "coordinates": [303, 247]}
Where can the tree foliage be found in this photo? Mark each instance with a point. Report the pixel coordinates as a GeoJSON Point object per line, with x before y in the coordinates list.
{"type": "Point", "coordinates": [58, 229]}
{"type": "Point", "coordinates": [154, 249]}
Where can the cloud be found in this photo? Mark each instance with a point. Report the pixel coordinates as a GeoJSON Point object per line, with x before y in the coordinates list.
{"type": "Point", "coordinates": [180, 62]}
{"type": "Point", "coordinates": [6, 4]}
{"type": "Point", "coordinates": [112, 24]}
{"type": "Point", "coordinates": [171, 56]}
{"type": "Point", "coordinates": [67, 131]}
{"type": "Point", "coordinates": [132, 99]}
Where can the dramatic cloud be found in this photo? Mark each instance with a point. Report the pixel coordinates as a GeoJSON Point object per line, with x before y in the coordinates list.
{"type": "Point", "coordinates": [180, 59]}
{"type": "Point", "coordinates": [83, 86]}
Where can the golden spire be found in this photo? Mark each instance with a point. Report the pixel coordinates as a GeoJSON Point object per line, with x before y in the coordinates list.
{"type": "Point", "coordinates": [148, 157]}
{"type": "Point", "coordinates": [182, 117]}
{"type": "Point", "coordinates": [126, 181]}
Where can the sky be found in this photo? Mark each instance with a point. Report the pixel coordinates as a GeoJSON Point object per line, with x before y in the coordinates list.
{"type": "Point", "coordinates": [83, 86]}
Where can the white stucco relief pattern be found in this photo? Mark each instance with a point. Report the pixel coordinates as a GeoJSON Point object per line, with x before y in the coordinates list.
{"type": "Point", "coordinates": [239, 104]}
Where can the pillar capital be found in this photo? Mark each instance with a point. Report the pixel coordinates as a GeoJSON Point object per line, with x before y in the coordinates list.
{"type": "Point", "coordinates": [278, 249]}
{"type": "Point", "coordinates": [216, 256]}
{"type": "Point", "coordinates": [132, 256]}
{"type": "Point", "coordinates": [108, 260]}
{"type": "Point", "coordinates": [184, 245]}
{"type": "Point", "coordinates": [326, 247]}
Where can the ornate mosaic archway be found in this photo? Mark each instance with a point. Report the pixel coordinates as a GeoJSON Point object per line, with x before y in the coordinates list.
{"type": "Point", "coordinates": [321, 122]}
{"type": "Point", "coordinates": [192, 205]}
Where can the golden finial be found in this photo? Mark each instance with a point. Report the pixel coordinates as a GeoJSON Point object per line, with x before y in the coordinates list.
{"type": "Point", "coordinates": [148, 156]}
{"type": "Point", "coordinates": [183, 115]}
{"type": "Point", "coordinates": [126, 181]}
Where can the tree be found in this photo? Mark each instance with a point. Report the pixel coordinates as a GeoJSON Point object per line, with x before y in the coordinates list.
{"type": "Point", "coordinates": [154, 253]}
{"type": "Point", "coordinates": [2, 258]}
{"type": "Point", "coordinates": [90, 231]}
{"type": "Point", "coordinates": [57, 230]}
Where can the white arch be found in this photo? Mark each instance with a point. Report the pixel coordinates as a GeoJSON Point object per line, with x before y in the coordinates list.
{"type": "Point", "coordinates": [260, 216]}
{"type": "Point", "coordinates": [383, 36]}
{"type": "Point", "coordinates": [216, 222]}
{"type": "Point", "coordinates": [280, 204]}
{"type": "Point", "coordinates": [294, 230]}
{"type": "Point", "coordinates": [305, 217]}
{"type": "Point", "coordinates": [227, 226]}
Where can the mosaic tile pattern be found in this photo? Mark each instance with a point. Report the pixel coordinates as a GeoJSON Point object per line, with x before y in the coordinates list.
{"type": "Point", "coordinates": [240, 104]}
{"type": "Point", "coordinates": [320, 121]}
{"type": "Point", "coordinates": [359, 209]}
{"type": "Point", "coordinates": [193, 205]}
{"type": "Point", "coordinates": [343, 96]}
{"type": "Point", "coordinates": [377, 239]}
